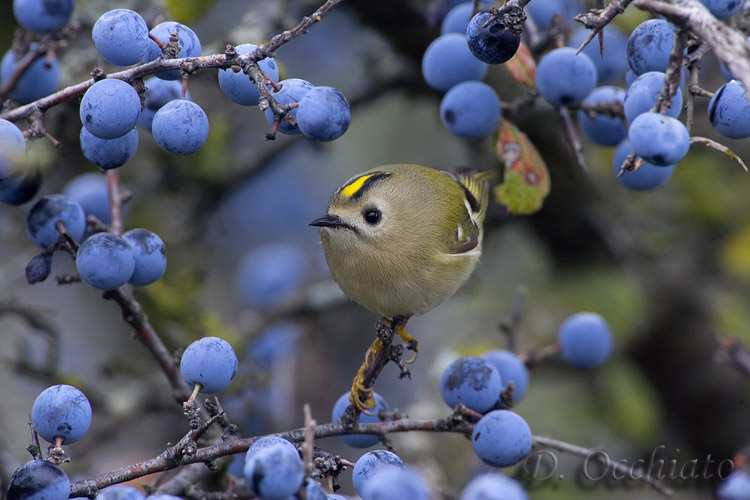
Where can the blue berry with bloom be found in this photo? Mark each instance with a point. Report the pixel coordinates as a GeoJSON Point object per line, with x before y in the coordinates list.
{"type": "Point", "coordinates": [108, 153]}
{"type": "Point", "coordinates": [238, 87]}
{"type": "Point", "coordinates": [110, 108]}
{"type": "Point", "coordinates": [42, 16]}
{"type": "Point", "coordinates": [564, 78]}
{"type": "Point", "coordinates": [323, 114]}
{"type": "Point", "coordinates": [659, 139]}
{"type": "Point", "coordinates": [729, 111]}
{"type": "Point", "coordinates": [585, 340]}
{"type": "Point", "coordinates": [44, 215]}
{"type": "Point", "coordinates": [395, 483]}
{"type": "Point", "coordinates": [645, 178]}
{"type": "Point", "coordinates": [61, 411]}
{"type": "Point", "coordinates": [602, 129]}
{"type": "Point", "coordinates": [642, 94]}
{"type": "Point", "coordinates": [448, 61]}
{"type": "Point", "coordinates": [210, 362]}
{"type": "Point", "coordinates": [292, 90]}
{"type": "Point", "coordinates": [472, 381]}
{"type": "Point", "coordinates": [360, 440]}
{"type": "Point", "coordinates": [190, 46]}
{"type": "Point", "coordinates": [511, 369]}
{"type": "Point", "coordinates": [38, 480]}
{"type": "Point", "coordinates": [150, 256]}
{"type": "Point", "coordinates": [39, 80]}
{"type": "Point", "coordinates": [105, 261]}
{"type": "Point", "coordinates": [493, 486]}
{"type": "Point", "coordinates": [611, 63]}
{"type": "Point", "coordinates": [372, 463]}
{"type": "Point", "coordinates": [274, 472]}
{"type": "Point", "coordinates": [470, 110]}
{"type": "Point", "coordinates": [121, 492]}
{"type": "Point", "coordinates": [158, 93]}
{"type": "Point", "coordinates": [180, 127]}
{"type": "Point", "coordinates": [501, 438]}
{"type": "Point", "coordinates": [121, 37]}
{"type": "Point", "coordinates": [649, 46]}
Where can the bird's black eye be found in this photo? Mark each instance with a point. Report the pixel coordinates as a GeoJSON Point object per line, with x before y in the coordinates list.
{"type": "Point", "coordinates": [372, 215]}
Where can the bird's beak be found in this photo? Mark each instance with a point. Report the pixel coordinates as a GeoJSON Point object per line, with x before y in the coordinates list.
{"type": "Point", "coordinates": [328, 221]}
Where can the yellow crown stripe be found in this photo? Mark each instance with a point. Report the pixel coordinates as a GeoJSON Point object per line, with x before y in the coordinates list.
{"type": "Point", "coordinates": [355, 185]}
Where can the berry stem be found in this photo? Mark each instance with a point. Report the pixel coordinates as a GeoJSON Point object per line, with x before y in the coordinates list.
{"type": "Point", "coordinates": [115, 202]}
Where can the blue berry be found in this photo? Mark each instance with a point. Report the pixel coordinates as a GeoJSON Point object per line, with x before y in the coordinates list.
{"type": "Point", "coordinates": [370, 464]}
{"type": "Point", "coordinates": [150, 256]}
{"type": "Point", "coordinates": [47, 211]}
{"type": "Point", "coordinates": [649, 46]}
{"type": "Point", "coordinates": [448, 61]}
{"type": "Point", "coordinates": [391, 484]}
{"type": "Point", "coordinates": [163, 496]}
{"type": "Point", "coordinates": [470, 110]}
{"type": "Point", "coordinates": [266, 442]}
{"type": "Point", "coordinates": [292, 91]}
{"type": "Point", "coordinates": [313, 491]}
{"type": "Point", "coordinates": [39, 480]}
{"type": "Point", "coordinates": [585, 340]}
{"type": "Point", "coordinates": [735, 487]}
{"type": "Point", "coordinates": [61, 410]}
{"type": "Point", "coordinates": [511, 369]}
{"type": "Point", "coordinates": [108, 153]}
{"type": "Point", "coordinates": [238, 87]}
{"type": "Point", "coordinates": [658, 139]}
{"type": "Point", "coordinates": [121, 37]}
{"type": "Point", "coordinates": [564, 78]}
{"type": "Point", "coordinates": [489, 41]}
{"type": "Point", "coordinates": [501, 438]}
{"type": "Point", "coordinates": [13, 165]}
{"type": "Point", "coordinates": [323, 114]}
{"type": "Point", "coordinates": [472, 381]}
{"type": "Point", "coordinates": [180, 127]}
{"type": "Point", "coordinates": [90, 191]}
{"type": "Point", "coordinates": [642, 93]}
{"type": "Point", "coordinates": [38, 81]}
{"type": "Point", "coordinates": [360, 440]}
{"type": "Point", "coordinates": [25, 190]}
{"type": "Point", "coordinates": [42, 16]}
{"type": "Point", "coordinates": [645, 178]}
{"type": "Point", "coordinates": [543, 11]}
{"type": "Point", "coordinates": [274, 472]}
{"type": "Point", "coordinates": [457, 19]}
{"type": "Point", "coordinates": [611, 63]}
{"type": "Point", "coordinates": [604, 130]}
{"type": "Point", "coordinates": [210, 362]}
{"type": "Point", "coordinates": [630, 77]}
{"type": "Point", "coordinates": [333, 496]}
{"type": "Point", "coordinates": [110, 108]}
{"type": "Point", "coordinates": [270, 273]}
{"type": "Point", "coordinates": [121, 492]}
{"type": "Point", "coordinates": [723, 9]}
{"type": "Point", "coordinates": [158, 93]}
{"type": "Point", "coordinates": [105, 261]}
{"type": "Point", "coordinates": [729, 111]}
{"type": "Point", "coordinates": [190, 46]}
{"type": "Point", "coordinates": [493, 486]}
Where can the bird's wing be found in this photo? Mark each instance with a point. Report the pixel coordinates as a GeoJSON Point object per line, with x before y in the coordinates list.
{"type": "Point", "coordinates": [476, 190]}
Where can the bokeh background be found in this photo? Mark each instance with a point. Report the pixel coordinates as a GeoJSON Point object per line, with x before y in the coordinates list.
{"type": "Point", "coordinates": [668, 269]}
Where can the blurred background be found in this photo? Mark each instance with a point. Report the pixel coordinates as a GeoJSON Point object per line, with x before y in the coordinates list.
{"type": "Point", "coordinates": [669, 269]}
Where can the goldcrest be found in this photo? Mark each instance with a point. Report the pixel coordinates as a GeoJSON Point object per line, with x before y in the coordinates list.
{"type": "Point", "coordinates": [400, 239]}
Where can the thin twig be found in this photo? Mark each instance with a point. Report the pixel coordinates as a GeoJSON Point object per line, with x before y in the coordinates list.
{"type": "Point", "coordinates": [602, 458]}
{"type": "Point", "coordinates": [572, 137]}
{"type": "Point", "coordinates": [115, 202]}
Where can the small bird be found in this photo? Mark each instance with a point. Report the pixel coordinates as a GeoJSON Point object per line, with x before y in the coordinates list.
{"type": "Point", "coordinates": [400, 239]}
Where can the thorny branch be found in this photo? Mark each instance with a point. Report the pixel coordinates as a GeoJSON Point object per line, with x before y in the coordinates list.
{"type": "Point", "coordinates": [461, 421]}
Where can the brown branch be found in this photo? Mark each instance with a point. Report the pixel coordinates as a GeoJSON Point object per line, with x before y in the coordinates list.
{"type": "Point", "coordinates": [570, 134]}
{"type": "Point", "coordinates": [133, 314]}
{"type": "Point", "coordinates": [602, 458]}
{"type": "Point", "coordinates": [459, 422]}
{"type": "Point", "coordinates": [597, 19]}
{"type": "Point", "coordinates": [115, 202]}
{"type": "Point", "coordinates": [672, 75]}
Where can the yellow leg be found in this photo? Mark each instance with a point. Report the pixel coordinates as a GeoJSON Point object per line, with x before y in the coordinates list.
{"type": "Point", "coordinates": [358, 385]}
{"type": "Point", "coordinates": [407, 338]}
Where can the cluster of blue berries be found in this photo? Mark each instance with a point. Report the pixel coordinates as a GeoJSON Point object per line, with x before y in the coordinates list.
{"type": "Point", "coordinates": [456, 62]}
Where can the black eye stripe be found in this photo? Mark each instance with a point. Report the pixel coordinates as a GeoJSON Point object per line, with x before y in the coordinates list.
{"type": "Point", "coordinates": [372, 215]}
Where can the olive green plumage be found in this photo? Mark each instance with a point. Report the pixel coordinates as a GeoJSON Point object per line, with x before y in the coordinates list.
{"type": "Point", "coordinates": [400, 239]}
